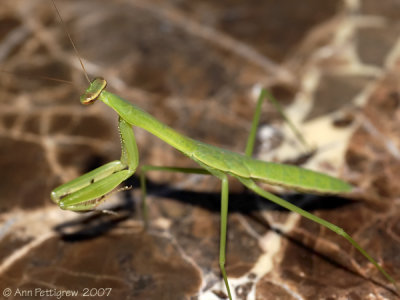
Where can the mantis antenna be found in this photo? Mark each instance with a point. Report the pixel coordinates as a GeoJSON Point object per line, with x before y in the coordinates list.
{"type": "Point", "coordinates": [71, 40]}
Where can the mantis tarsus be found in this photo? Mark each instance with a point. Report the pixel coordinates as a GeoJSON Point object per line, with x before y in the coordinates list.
{"type": "Point", "coordinates": [86, 192]}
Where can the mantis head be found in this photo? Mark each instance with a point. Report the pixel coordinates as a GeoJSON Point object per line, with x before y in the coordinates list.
{"type": "Point", "coordinates": [93, 91]}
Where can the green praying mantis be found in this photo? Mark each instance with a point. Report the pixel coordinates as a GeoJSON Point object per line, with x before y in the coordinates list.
{"type": "Point", "coordinates": [86, 192]}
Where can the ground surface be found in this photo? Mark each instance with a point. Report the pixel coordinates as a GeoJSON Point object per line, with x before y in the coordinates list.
{"type": "Point", "coordinates": [196, 66]}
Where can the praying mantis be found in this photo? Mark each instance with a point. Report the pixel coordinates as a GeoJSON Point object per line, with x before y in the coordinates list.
{"type": "Point", "coordinates": [86, 192]}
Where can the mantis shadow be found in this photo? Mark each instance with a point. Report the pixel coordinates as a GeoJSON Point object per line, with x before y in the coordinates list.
{"type": "Point", "coordinates": [94, 224]}
{"type": "Point", "coordinates": [244, 202]}
{"type": "Point", "coordinates": [91, 225]}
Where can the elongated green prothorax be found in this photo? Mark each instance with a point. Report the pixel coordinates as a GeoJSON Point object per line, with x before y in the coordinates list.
{"type": "Point", "coordinates": [93, 91]}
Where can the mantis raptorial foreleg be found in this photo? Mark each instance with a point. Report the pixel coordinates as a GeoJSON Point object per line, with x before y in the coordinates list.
{"type": "Point", "coordinates": [88, 191]}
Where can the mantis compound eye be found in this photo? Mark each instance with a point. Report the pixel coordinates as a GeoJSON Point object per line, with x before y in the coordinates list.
{"type": "Point", "coordinates": [93, 91]}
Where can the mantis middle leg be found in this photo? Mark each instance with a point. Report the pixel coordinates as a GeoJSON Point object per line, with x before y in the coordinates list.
{"type": "Point", "coordinates": [224, 206]}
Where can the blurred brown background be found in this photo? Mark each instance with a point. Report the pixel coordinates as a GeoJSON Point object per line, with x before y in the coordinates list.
{"type": "Point", "coordinates": [196, 66]}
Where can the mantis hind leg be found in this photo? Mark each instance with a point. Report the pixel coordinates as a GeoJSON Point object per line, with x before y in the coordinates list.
{"type": "Point", "coordinates": [256, 120]}
{"type": "Point", "coordinates": [264, 94]}
{"type": "Point", "coordinates": [250, 184]}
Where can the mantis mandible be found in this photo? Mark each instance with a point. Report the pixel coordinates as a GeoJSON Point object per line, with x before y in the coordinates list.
{"type": "Point", "coordinates": [86, 192]}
